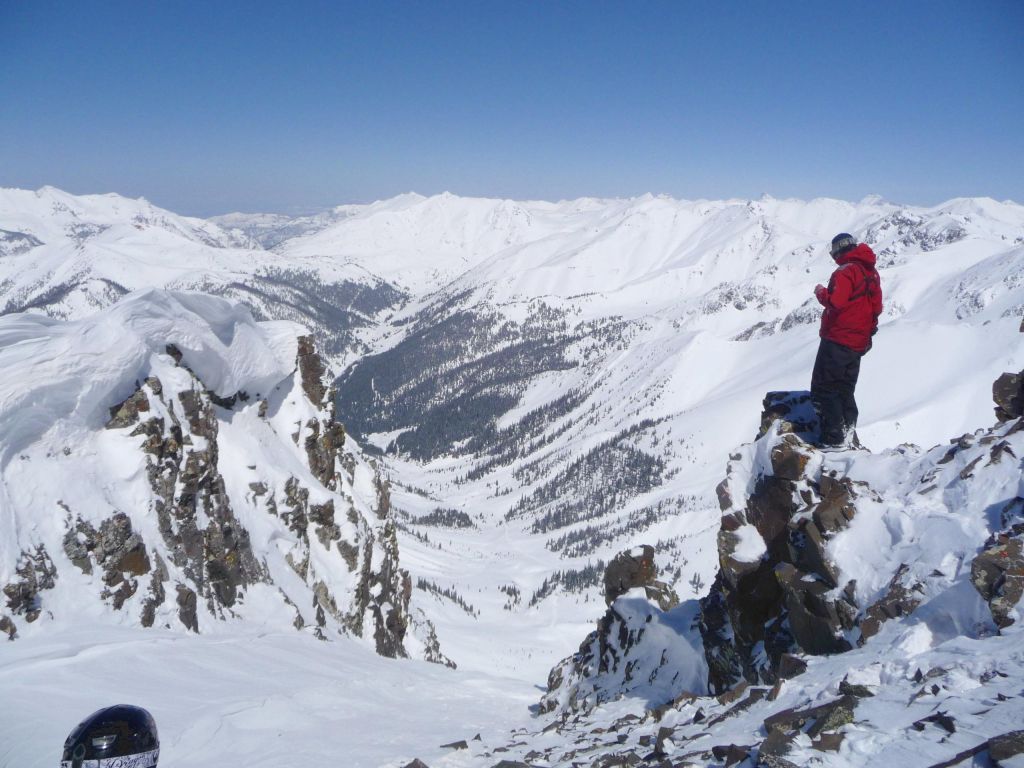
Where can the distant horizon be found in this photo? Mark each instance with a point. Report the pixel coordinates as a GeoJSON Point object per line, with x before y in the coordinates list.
{"type": "Point", "coordinates": [225, 107]}
{"type": "Point", "coordinates": [866, 199]}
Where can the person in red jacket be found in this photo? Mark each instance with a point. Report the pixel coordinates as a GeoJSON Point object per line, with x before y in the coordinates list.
{"type": "Point", "coordinates": [852, 302]}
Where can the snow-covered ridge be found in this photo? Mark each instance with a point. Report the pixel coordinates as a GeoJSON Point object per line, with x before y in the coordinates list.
{"type": "Point", "coordinates": [69, 256]}
{"type": "Point", "coordinates": [73, 372]}
{"type": "Point", "coordinates": [172, 462]}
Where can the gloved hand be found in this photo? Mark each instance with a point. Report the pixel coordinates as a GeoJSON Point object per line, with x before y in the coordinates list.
{"type": "Point", "coordinates": [821, 292]}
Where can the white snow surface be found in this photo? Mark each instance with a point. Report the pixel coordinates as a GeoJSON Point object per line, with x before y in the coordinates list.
{"type": "Point", "coordinates": [259, 699]}
{"type": "Point", "coordinates": [75, 371]}
{"type": "Point", "coordinates": [953, 307]}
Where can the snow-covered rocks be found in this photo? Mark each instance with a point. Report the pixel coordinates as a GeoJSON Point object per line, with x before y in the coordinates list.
{"type": "Point", "coordinates": [172, 462]}
{"type": "Point", "coordinates": [645, 645]}
{"type": "Point", "coordinates": [867, 609]}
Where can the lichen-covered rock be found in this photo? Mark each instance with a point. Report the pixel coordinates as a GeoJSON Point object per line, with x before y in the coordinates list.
{"type": "Point", "coordinates": [126, 413]}
{"type": "Point", "coordinates": [814, 720]}
{"type": "Point", "coordinates": [998, 575]}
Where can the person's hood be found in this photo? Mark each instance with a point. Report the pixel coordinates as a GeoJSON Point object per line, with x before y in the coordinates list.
{"type": "Point", "coordinates": [861, 253]}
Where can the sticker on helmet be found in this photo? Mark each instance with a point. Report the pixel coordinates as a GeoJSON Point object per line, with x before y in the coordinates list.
{"type": "Point", "coordinates": [141, 760]}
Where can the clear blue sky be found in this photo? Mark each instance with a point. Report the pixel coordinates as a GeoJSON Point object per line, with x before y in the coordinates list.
{"type": "Point", "coordinates": [208, 107]}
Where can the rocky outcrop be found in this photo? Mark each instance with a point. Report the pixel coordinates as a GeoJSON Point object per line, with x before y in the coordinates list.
{"type": "Point", "coordinates": [637, 647]}
{"type": "Point", "coordinates": [998, 574]}
{"type": "Point", "coordinates": [312, 371]}
{"type": "Point", "coordinates": [784, 593]}
{"type": "Point", "coordinates": [636, 569]}
{"type": "Point", "coordinates": [114, 550]}
{"type": "Point", "coordinates": [204, 539]}
{"type": "Point", "coordinates": [35, 574]}
{"type": "Point", "coordinates": [776, 589]}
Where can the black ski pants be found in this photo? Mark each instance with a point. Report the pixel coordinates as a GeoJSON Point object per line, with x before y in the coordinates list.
{"type": "Point", "coordinates": [833, 381]}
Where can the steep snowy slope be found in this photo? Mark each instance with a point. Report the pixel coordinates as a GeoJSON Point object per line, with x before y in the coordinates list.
{"type": "Point", "coordinates": [170, 462]}
{"type": "Point", "coordinates": [69, 256]}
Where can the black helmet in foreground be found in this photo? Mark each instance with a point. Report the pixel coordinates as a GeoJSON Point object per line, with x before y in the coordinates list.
{"type": "Point", "coordinates": [841, 243]}
{"type": "Point", "coordinates": [121, 736]}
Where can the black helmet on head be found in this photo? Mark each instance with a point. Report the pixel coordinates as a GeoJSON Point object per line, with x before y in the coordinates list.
{"type": "Point", "coordinates": [123, 736]}
{"type": "Point", "coordinates": [842, 243]}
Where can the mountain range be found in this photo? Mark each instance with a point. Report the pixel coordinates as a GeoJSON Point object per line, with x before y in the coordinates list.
{"type": "Point", "coordinates": [538, 387]}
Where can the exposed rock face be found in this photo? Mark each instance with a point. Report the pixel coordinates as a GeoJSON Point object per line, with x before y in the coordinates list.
{"type": "Point", "coordinates": [115, 550]}
{"type": "Point", "coordinates": [311, 371]}
{"type": "Point", "coordinates": [323, 449]}
{"type": "Point", "coordinates": [203, 536]}
{"type": "Point", "coordinates": [384, 595]}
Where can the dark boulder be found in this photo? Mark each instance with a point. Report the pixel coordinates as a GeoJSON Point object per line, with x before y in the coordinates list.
{"type": "Point", "coordinates": [1008, 394]}
{"type": "Point", "coordinates": [814, 720]}
{"type": "Point", "coordinates": [731, 754]}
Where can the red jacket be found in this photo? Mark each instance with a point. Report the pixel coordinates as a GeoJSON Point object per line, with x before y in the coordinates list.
{"type": "Point", "coordinates": [852, 301]}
